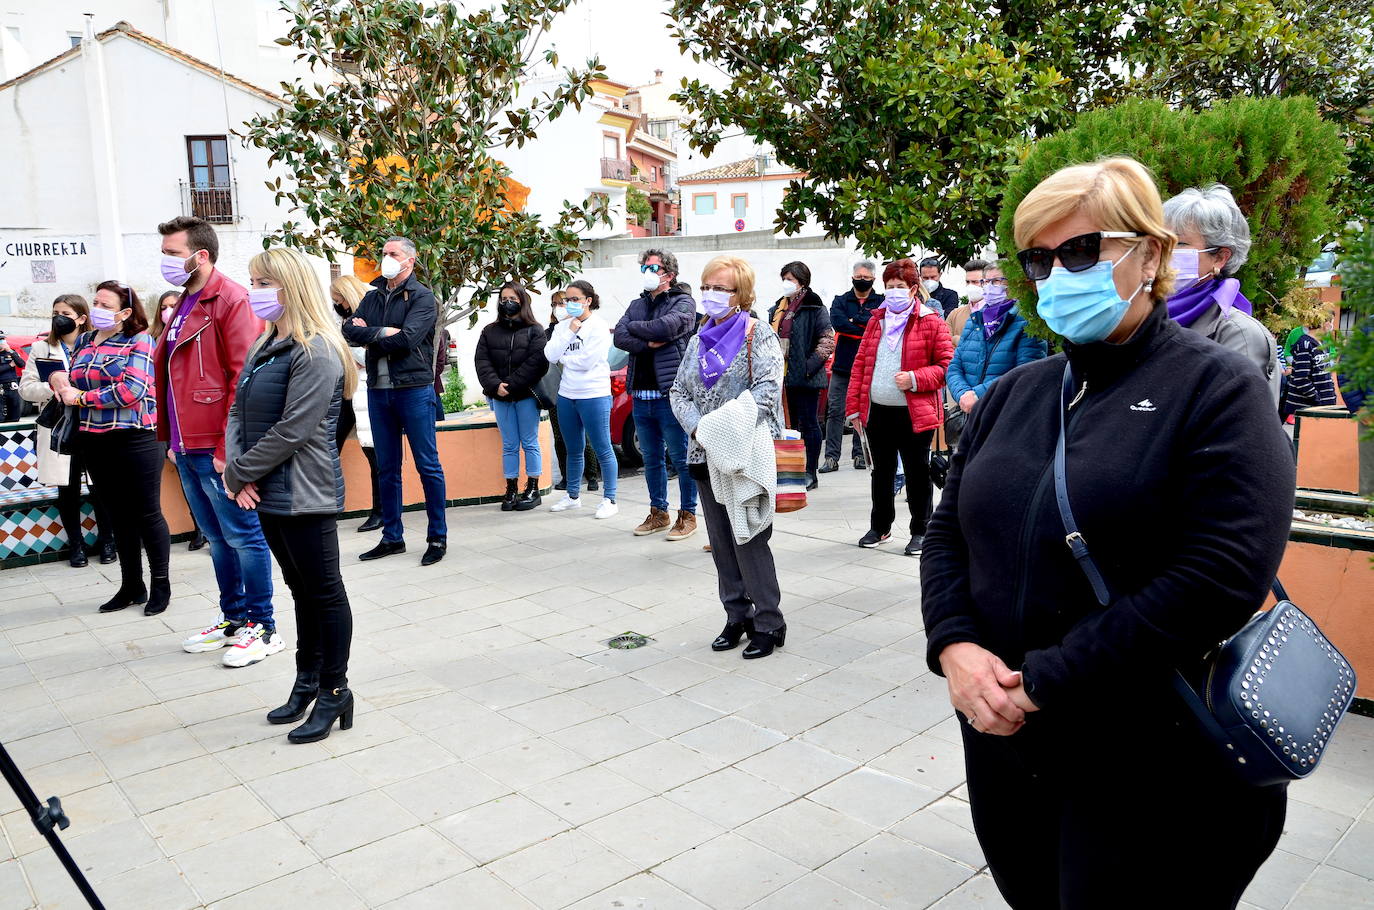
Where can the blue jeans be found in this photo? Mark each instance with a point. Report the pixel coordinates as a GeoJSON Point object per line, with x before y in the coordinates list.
{"type": "Point", "coordinates": [656, 426]}
{"type": "Point", "coordinates": [243, 564]}
{"type": "Point", "coordinates": [391, 412]}
{"type": "Point", "coordinates": [518, 422]}
{"type": "Point", "coordinates": [581, 419]}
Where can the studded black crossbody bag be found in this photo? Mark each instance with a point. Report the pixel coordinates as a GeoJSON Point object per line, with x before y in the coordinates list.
{"type": "Point", "coordinates": [1270, 696]}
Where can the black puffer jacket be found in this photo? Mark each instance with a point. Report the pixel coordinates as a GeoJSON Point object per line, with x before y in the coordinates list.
{"type": "Point", "coordinates": [409, 353]}
{"type": "Point", "coordinates": [670, 318]}
{"type": "Point", "coordinates": [282, 426]}
{"type": "Point", "coordinates": [513, 354]}
{"type": "Point", "coordinates": [811, 343]}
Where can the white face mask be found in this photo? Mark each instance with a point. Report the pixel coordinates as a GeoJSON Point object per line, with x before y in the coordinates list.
{"type": "Point", "coordinates": [930, 284]}
{"type": "Point", "coordinates": [390, 268]}
{"type": "Point", "coordinates": [789, 288]}
{"type": "Point", "coordinates": [560, 312]}
{"type": "Point", "coordinates": [975, 293]}
{"type": "Point", "coordinates": [650, 280]}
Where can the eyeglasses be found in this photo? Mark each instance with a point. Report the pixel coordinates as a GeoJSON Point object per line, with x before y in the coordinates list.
{"type": "Point", "coordinates": [989, 282]}
{"type": "Point", "coordinates": [655, 268]}
{"type": "Point", "coordinates": [567, 300]}
{"type": "Point", "coordinates": [1076, 254]}
{"type": "Point", "coordinates": [717, 287]}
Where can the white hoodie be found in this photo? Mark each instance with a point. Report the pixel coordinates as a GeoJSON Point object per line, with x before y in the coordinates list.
{"type": "Point", "coordinates": [586, 374]}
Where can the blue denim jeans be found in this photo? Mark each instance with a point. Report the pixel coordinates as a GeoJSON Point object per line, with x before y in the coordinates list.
{"type": "Point", "coordinates": [581, 419]}
{"type": "Point", "coordinates": [656, 426]}
{"type": "Point", "coordinates": [518, 422]}
{"type": "Point", "coordinates": [243, 563]}
{"type": "Point", "coordinates": [391, 412]}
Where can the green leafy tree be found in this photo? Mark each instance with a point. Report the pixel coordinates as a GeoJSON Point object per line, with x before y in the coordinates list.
{"type": "Point", "coordinates": [403, 135]}
{"type": "Point", "coordinates": [637, 204]}
{"type": "Point", "coordinates": [909, 118]}
{"type": "Point", "coordinates": [1277, 155]}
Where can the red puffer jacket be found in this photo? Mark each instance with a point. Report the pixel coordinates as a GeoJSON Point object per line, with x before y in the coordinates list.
{"type": "Point", "coordinates": [204, 364]}
{"type": "Point", "coordinates": [926, 349]}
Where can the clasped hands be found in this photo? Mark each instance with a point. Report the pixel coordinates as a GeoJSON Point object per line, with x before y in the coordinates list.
{"type": "Point", "coordinates": [985, 690]}
{"type": "Point", "coordinates": [246, 498]}
{"type": "Point", "coordinates": [389, 330]}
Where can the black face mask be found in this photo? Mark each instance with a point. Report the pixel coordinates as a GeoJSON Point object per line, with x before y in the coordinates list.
{"type": "Point", "coordinates": [509, 308]}
{"type": "Point", "coordinates": [863, 285]}
{"type": "Point", "coordinates": [63, 325]}
{"type": "Point", "coordinates": [342, 310]}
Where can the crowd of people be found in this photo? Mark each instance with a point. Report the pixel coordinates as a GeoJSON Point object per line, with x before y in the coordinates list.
{"type": "Point", "coordinates": [251, 391]}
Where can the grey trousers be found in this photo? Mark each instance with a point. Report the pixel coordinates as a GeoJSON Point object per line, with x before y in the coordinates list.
{"type": "Point", "coordinates": [834, 418]}
{"type": "Point", "coordinates": [745, 573]}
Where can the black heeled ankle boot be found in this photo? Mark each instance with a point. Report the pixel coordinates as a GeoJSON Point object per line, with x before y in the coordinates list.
{"type": "Point", "coordinates": [731, 634]}
{"type": "Point", "coordinates": [197, 541]}
{"type": "Point", "coordinates": [336, 704]}
{"type": "Point", "coordinates": [126, 596]}
{"type": "Point", "coordinates": [761, 644]}
{"type": "Point", "coordinates": [304, 692]}
{"type": "Point", "coordinates": [159, 595]}
{"type": "Point", "coordinates": [373, 522]}
{"type": "Point", "coordinates": [530, 498]}
{"type": "Point", "coordinates": [508, 501]}
{"type": "Point", "coordinates": [77, 557]}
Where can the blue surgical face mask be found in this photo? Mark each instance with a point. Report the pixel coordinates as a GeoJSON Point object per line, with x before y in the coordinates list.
{"type": "Point", "coordinates": [575, 308]}
{"type": "Point", "coordinates": [1083, 306]}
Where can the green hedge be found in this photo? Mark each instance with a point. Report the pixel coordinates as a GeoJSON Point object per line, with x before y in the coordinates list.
{"type": "Point", "coordinates": [1277, 155]}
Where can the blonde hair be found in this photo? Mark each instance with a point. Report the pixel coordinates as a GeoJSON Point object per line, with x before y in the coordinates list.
{"type": "Point", "coordinates": [1118, 194]}
{"type": "Point", "coordinates": [304, 301]}
{"type": "Point", "coordinates": [744, 278]}
{"type": "Point", "coordinates": [350, 288]}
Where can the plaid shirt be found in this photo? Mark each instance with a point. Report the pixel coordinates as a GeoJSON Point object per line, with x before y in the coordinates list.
{"type": "Point", "coordinates": [115, 377]}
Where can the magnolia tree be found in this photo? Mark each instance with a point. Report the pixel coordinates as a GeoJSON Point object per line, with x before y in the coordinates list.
{"type": "Point", "coordinates": [403, 136]}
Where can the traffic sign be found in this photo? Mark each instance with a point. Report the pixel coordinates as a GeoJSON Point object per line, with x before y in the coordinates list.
{"type": "Point", "coordinates": [739, 224]}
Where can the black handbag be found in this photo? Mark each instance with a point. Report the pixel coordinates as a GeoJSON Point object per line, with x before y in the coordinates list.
{"type": "Point", "coordinates": [939, 463]}
{"type": "Point", "coordinates": [63, 439]}
{"type": "Point", "coordinates": [51, 413]}
{"type": "Point", "coordinates": [1270, 696]}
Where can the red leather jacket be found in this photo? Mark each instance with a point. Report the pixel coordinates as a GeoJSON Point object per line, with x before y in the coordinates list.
{"type": "Point", "coordinates": [204, 364]}
{"type": "Point", "coordinates": [926, 349]}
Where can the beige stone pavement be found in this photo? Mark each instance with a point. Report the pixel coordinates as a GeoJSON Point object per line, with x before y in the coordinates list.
{"type": "Point", "coordinates": [504, 757]}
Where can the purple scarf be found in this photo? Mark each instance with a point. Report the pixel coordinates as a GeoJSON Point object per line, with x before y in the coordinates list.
{"type": "Point", "coordinates": [718, 345]}
{"type": "Point", "coordinates": [996, 306]}
{"type": "Point", "coordinates": [1188, 305]}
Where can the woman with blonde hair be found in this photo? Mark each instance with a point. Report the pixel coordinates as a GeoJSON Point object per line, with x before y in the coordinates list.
{"type": "Point", "coordinates": [728, 397]}
{"type": "Point", "coordinates": [281, 460]}
{"type": "Point", "coordinates": [1087, 773]}
{"type": "Point", "coordinates": [346, 292]}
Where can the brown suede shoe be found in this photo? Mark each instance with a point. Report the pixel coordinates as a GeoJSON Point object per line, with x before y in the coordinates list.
{"type": "Point", "coordinates": [685, 527]}
{"type": "Point", "coordinates": [657, 521]}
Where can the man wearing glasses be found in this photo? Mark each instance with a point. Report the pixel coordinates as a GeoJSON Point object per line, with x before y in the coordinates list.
{"type": "Point", "coordinates": [654, 331]}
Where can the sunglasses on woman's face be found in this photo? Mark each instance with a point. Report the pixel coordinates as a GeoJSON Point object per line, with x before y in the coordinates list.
{"type": "Point", "coordinates": [1076, 254]}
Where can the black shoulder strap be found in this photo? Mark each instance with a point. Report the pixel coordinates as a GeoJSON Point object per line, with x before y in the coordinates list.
{"type": "Point", "coordinates": [1074, 538]}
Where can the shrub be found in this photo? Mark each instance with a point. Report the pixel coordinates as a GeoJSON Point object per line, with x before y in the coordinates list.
{"type": "Point", "coordinates": [1277, 155]}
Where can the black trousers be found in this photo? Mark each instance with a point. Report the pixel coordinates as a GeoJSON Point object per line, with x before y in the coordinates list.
{"type": "Point", "coordinates": [746, 576]}
{"type": "Point", "coordinates": [347, 421]}
{"type": "Point", "coordinates": [69, 508]}
{"type": "Point", "coordinates": [307, 549]}
{"type": "Point", "coordinates": [1090, 819]}
{"type": "Point", "coordinates": [11, 405]}
{"type": "Point", "coordinates": [889, 435]}
{"type": "Point", "coordinates": [802, 405]}
{"type": "Point", "coordinates": [591, 468]}
{"type": "Point", "coordinates": [126, 466]}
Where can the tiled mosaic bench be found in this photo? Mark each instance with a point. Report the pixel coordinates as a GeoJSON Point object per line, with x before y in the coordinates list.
{"type": "Point", "coordinates": [30, 528]}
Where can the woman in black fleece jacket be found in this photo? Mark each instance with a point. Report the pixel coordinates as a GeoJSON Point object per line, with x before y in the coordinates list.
{"type": "Point", "coordinates": [510, 362]}
{"type": "Point", "coordinates": [1089, 786]}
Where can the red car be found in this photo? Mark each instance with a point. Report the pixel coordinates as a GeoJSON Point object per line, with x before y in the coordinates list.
{"type": "Point", "coordinates": [20, 344]}
{"type": "Point", "coordinates": [622, 419]}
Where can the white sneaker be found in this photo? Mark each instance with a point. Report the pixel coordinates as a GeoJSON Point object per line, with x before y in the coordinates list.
{"type": "Point", "coordinates": [255, 643]}
{"type": "Point", "coordinates": [607, 509]}
{"type": "Point", "coordinates": [212, 639]}
{"type": "Point", "coordinates": [566, 503]}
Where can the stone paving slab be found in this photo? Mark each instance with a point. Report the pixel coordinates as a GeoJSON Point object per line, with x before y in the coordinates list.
{"type": "Point", "coordinates": [504, 757]}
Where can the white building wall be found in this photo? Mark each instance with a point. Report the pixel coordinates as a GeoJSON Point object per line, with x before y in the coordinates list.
{"type": "Point", "coordinates": [563, 164]}
{"type": "Point", "coordinates": [763, 198]}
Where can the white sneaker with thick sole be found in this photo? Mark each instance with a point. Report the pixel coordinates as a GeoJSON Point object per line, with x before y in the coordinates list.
{"type": "Point", "coordinates": [566, 503]}
{"type": "Point", "coordinates": [607, 509]}
{"type": "Point", "coordinates": [222, 634]}
{"type": "Point", "coordinates": [256, 642]}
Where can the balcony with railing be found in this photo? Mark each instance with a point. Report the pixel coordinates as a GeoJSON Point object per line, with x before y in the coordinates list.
{"type": "Point", "coordinates": [217, 203]}
{"type": "Point", "coordinates": [615, 169]}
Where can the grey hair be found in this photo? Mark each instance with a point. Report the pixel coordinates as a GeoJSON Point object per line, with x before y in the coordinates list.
{"type": "Point", "coordinates": [668, 259]}
{"type": "Point", "coordinates": [866, 264]}
{"type": "Point", "coordinates": [405, 243]}
{"type": "Point", "coordinates": [1213, 213]}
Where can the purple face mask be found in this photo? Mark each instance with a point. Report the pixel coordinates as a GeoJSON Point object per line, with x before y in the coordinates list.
{"type": "Point", "coordinates": [103, 319]}
{"type": "Point", "coordinates": [264, 303]}
{"type": "Point", "coordinates": [174, 270]}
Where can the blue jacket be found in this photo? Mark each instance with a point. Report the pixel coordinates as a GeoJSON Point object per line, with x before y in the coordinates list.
{"type": "Point", "coordinates": [849, 319]}
{"type": "Point", "coordinates": [670, 317]}
{"type": "Point", "coordinates": [978, 362]}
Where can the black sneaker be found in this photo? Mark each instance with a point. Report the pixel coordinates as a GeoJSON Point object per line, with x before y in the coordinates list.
{"type": "Point", "coordinates": [860, 464]}
{"type": "Point", "coordinates": [872, 539]}
{"type": "Point", "coordinates": [385, 548]}
{"type": "Point", "coordinates": [914, 547]}
{"type": "Point", "coordinates": [434, 552]}
{"type": "Point", "coordinates": [829, 465]}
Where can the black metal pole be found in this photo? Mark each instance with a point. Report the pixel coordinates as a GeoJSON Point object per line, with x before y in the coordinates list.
{"type": "Point", "coordinates": [46, 818]}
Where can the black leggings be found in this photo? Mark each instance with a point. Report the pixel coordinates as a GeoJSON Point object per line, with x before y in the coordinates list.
{"type": "Point", "coordinates": [347, 420]}
{"type": "Point", "coordinates": [69, 508]}
{"type": "Point", "coordinates": [889, 435]}
{"type": "Point", "coordinates": [126, 466]}
{"type": "Point", "coordinates": [307, 549]}
{"type": "Point", "coordinates": [802, 405]}
{"type": "Point", "coordinates": [11, 405]}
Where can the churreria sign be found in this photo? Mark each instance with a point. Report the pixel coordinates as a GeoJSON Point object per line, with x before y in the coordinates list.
{"type": "Point", "coordinates": [44, 249]}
